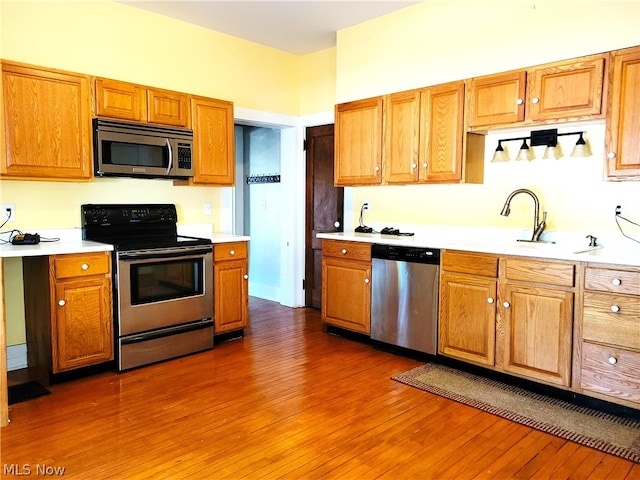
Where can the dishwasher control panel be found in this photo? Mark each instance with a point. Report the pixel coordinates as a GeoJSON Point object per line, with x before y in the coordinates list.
{"type": "Point", "coordinates": [406, 254]}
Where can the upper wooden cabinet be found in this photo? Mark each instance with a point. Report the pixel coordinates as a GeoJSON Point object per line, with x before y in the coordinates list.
{"type": "Point", "coordinates": [128, 101]}
{"type": "Point", "coordinates": [623, 120]}
{"type": "Point", "coordinates": [423, 132]}
{"type": "Point", "coordinates": [570, 90]}
{"type": "Point", "coordinates": [213, 141]}
{"type": "Point", "coordinates": [358, 143]}
{"type": "Point", "coordinates": [47, 124]}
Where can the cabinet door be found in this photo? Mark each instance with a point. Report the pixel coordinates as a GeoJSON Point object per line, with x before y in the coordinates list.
{"type": "Point", "coordinates": [168, 108]}
{"type": "Point", "coordinates": [358, 143]}
{"type": "Point", "coordinates": [442, 133]}
{"type": "Point", "coordinates": [401, 137]}
{"type": "Point", "coordinates": [47, 124]}
{"type": "Point", "coordinates": [231, 297]}
{"type": "Point", "coordinates": [537, 326]}
{"type": "Point", "coordinates": [566, 90]}
{"type": "Point", "coordinates": [346, 294]}
{"type": "Point", "coordinates": [213, 141]}
{"type": "Point", "coordinates": [115, 99]}
{"type": "Point", "coordinates": [82, 332]}
{"type": "Point", "coordinates": [496, 99]}
{"type": "Point", "coordinates": [467, 318]}
{"type": "Point", "coordinates": [623, 120]}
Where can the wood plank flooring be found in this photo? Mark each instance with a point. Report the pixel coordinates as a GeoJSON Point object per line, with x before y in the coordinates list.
{"type": "Point", "coordinates": [286, 401]}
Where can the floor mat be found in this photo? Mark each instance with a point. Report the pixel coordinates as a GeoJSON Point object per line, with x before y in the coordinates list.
{"type": "Point", "coordinates": [26, 391]}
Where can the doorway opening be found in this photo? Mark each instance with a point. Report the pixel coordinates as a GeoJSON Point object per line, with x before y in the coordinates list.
{"type": "Point", "coordinates": [258, 197]}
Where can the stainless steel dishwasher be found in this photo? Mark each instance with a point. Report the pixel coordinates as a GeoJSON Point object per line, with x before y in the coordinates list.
{"type": "Point", "coordinates": [404, 297]}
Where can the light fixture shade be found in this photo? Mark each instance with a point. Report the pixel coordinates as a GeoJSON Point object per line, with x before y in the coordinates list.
{"type": "Point", "coordinates": [552, 152]}
{"type": "Point", "coordinates": [581, 149]}
{"type": "Point", "coordinates": [525, 152]}
{"type": "Point", "coordinates": [500, 155]}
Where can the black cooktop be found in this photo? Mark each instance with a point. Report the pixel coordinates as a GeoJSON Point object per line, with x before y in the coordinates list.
{"type": "Point", "coordinates": [135, 226]}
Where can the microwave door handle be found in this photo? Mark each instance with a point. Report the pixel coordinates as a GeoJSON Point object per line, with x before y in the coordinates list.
{"type": "Point", "coordinates": [170, 157]}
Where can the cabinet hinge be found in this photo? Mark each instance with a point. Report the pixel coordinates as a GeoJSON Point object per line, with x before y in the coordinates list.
{"type": "Point", "coordinates": [304, 284]}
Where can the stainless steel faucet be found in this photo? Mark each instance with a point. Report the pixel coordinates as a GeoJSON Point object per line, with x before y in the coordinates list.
{"type": "Point", "coordinates": [538, 227]}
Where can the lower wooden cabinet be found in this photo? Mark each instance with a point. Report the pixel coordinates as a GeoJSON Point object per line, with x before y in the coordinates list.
{"type": "Point", "coordinates": [526, 329]}
{"type": "Point", "coordinates": [346, 285]}
{"type": "Point", "coordinates": [610, 348]}
{"type": "Point", "coordinates": [68, 311]}
{"type": "Point", "coordinates": [468, 287]}
{"type": "Point", "coordinates": [231, 286]}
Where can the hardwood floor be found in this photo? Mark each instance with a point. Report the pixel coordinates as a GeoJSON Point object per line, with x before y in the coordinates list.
{"type": "Point", "coordinates": [286, 401]}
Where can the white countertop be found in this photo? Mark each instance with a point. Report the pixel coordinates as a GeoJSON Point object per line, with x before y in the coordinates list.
{"type": "Point", "coordinates": [567, 247]}
{"type": "Point", "coordinates": [70, 241]}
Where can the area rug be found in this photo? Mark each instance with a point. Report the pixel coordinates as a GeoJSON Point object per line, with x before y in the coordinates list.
{"type": "Point", "coordinates": [25, 391]}
{"type": "Point", "coordinates": [608, 433]}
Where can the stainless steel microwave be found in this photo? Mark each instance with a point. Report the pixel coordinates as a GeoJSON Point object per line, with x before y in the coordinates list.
{"type": "Point", "coordinates": [141, 150]}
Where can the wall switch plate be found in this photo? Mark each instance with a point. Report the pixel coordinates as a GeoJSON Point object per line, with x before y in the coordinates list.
{"type": "Point", "coordinates": [207, 208]}
{"type": "Point", "coordinates": [9, 211]}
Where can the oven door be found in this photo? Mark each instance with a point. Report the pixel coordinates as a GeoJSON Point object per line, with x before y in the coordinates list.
{"type": "Point", "coordinates": [159, 288]}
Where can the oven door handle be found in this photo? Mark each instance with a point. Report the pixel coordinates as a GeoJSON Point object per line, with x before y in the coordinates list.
{"type": "Point", "coordinates": [163, 253]}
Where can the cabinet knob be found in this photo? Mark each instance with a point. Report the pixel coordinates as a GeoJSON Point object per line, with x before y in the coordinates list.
{"type": "Point", "coordinates": [425, 165]}
{"type": "Point", "coordinates": [506, 305]}
{"type": "Point", "coordinates": [519, 101]}
{"type": "Point", "coordinates": [62, 303]}
{"type": "Point", "coordinates": [611, 155]}
{"type": "Point", "coordinates": [617, 282]}
{"type": "Point", "coordinates": [246, 277]}
{"type": "Point", "coordinates": [84, 266]}
{"type": "Point", "coordinates": [414, 165]}
{"type": "Point", "coordinates": [336, 224]}
{"type": "Point", "coordinates": [232, 252]}
{"type": "Point", "coordinates": [376, 169]}
{"type": "Point", "coordinates": [613, 360]}
{"type": "Point", "coordinates": [366, 281]}
{"type": "Point", "coordinates": [535, 100]}
{"type": "Point", "coordinates": [615, 308]}
{"type": "Point", "coordinates": [490, 300]}
{"type": "Point", "coordinates": [344, 251]}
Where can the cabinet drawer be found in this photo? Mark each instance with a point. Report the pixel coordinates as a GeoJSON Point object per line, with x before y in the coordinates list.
{"type": "Point", "coordinates": [540, 271]}
{"type": "Point", "coordinates": [473, 263]}
{"type": "Point", "coordinates": [618, 379]}
{"type": "Point", "coordinates": [81, 265]}
{"type": "Point", "coordinates": [613, 319]}
{"type": "Point", "coordinates": [229, 251]}
{"type": "Point", "coordinates": [348, 250]}
{"type": "Point", "coordinates": [610, 280]}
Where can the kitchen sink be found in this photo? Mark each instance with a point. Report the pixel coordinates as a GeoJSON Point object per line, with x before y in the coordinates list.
{"type": "Point", "coordinates": [554, 247]}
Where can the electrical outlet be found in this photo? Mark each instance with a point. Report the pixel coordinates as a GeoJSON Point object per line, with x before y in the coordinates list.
{"type": "Point", "coordinates": [9, 211]}
{"type": "Point", "coordinates": [618, 210]}
{"type": "Point", "coordinates": [207, 208]}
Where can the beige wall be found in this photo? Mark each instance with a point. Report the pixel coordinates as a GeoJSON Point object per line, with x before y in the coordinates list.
{"type": "Point", "coordinates": [438, 41]}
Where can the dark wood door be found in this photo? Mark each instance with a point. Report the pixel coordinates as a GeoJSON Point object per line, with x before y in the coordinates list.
{"type": "Point", "coordinates": [324, 207]}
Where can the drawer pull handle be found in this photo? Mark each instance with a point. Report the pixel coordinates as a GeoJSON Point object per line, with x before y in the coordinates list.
{"type": "Point", "coordinates": [84, 266]}
{"type": "Point", "coordinates": [62, 303]}
{"type": "Point", "coordinates": [613, 360]}
{"type": "Point", "coordinates": [617, 282]}
{"type": "Point", "coordinates": [344, 251]}
{"type": "Point", "coordinates": [490, 300]}
{"type": "Point", "coordinates": [506, 305]}
{"type": "Point", "coordinates": [246, 277]}
{"type": "Point", "coordinates": [366, 281]}
{"type": "Point", "coordinates": [615, 308]}
{"type": "Point", "coordinates": [232, 252]}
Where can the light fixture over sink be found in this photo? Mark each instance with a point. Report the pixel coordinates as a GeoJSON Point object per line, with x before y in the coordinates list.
{"type": "Point", "coordinates": [549, 138]}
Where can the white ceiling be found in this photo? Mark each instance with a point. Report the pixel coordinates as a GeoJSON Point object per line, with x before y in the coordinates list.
{"type": "Point", "coordinates": [298, 27]}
